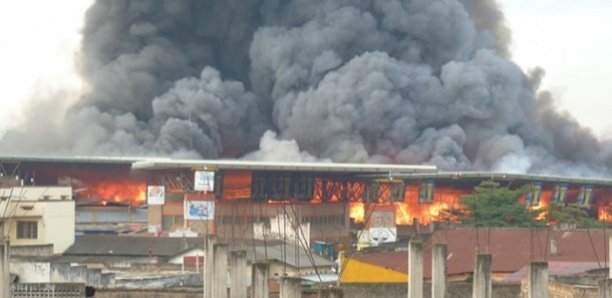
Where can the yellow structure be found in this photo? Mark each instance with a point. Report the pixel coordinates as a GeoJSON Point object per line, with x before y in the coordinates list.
{"type": "Point", "coordinates": [358, 271]}
{"type": "Point", "coordinates": [38, 216]}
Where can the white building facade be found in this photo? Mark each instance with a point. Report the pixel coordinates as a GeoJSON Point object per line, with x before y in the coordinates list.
{"type": "Point", "coordinates": [38, 216]}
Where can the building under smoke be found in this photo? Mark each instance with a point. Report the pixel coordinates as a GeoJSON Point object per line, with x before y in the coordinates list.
{"type": "Point", "coordinates": [412, 82]}
{"type": "Point", "coordinates": [284, 201]}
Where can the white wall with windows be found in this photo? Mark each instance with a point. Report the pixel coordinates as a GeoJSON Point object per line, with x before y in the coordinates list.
{"type": "Point", "coordinates": [38, 215]}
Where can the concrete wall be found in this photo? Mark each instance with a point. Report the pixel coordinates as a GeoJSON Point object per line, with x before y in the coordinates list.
{"type": "Point", "coordinates": [141, 293]}
{"type": "Point", "coordinates": [32, 250]}
{"type": "Point", "coordinates": [563, 290]}
{"type": "Point", "coordinates": [188, 280]}
{"type": "Point", "coordinates": [454, 290]}
{"type": "Point", "coordinates": [32, 272]}
{"type": "Point", "coordinates": [44, 272]}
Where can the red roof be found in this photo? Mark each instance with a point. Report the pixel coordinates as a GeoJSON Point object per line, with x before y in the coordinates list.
{"type": "Point", "coordinates": [512, 249]}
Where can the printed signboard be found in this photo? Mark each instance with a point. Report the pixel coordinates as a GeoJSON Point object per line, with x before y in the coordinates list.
{"type": "Point", "coordinates": [382, 235]}
{"type": "Point", "coordinates": [155, 195]}
{"type": "Point", "coordinates": [204, 181]}
{"type": "Point", "coordinates": [199, 210]}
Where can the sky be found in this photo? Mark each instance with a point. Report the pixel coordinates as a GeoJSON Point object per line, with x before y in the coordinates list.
{"type": "Point", "coordinates": [570, 39]}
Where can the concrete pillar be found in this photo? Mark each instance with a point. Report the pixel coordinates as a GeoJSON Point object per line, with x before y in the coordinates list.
{"type": "Point", "coordinates": [438, 271]}
{"type": "Point", "coordinates": [260, 277]}
{"type": "Point", "coordinates": [609, 256]}
{"type": "Point", "coordinates": [4, 269]}
{"type": "Point", "coordinates": [209, 264]}
{"type": "Point", "coordinates": [537, 280]}
{"type": "Point", "coordinates": [334, 293]}
{"type": "Point", "coordinates": [415, 268]}
{"type": "Point", "coordinates": [605, 288]}
{"type": "Point", "coordinates": [481, 284]}
{"type": "Point", "coordinates": [219, 282]}
{"type": "Point", "coordinates": [290, 288]}
{"type": "Point", "coordinates": [238, 263]}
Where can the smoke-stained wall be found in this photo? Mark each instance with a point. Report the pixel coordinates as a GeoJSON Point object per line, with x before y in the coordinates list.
{"type": "Point", "coordinates": [415, 81]}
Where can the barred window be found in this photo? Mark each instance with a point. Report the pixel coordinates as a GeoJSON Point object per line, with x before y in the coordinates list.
{"type": "Point", "coordinates": [27, 230]}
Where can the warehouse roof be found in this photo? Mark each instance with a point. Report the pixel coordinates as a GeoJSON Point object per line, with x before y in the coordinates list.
{"type": "Point", "coordinates": [92, 246]}
{"type": "Point", "coordinates": [511, 248]}
{"type": "Point", "coordinates": [162, 164]}
{"type": "Point", "coordinates": [510, 177]}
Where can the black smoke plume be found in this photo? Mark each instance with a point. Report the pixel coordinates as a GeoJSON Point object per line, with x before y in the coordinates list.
{"type": "Point", "coordinates": [415, 81]}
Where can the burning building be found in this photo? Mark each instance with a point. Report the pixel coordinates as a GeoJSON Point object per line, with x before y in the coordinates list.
{"type": "Point", "coordinates": [288, 201]}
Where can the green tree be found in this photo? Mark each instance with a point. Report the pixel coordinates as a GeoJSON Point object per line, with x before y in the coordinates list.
{"type": "Point", "coordinates": [558, 213]}
{"type": "Point", "coordinates": [491, 205]}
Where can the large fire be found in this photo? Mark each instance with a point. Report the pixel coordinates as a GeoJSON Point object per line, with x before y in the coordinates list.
{"type": "Point", "coordinates": [357, 211]}
{"type": "Point", "coordinates": [604, 213]}
{"type": "Point", "coordinates": [105, 192]}
{"type": "Point", "coordinates": [409, 209]}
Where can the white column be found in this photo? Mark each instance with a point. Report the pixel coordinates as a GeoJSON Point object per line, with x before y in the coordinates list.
{"type": "Point", "coordinates": [260, 277]}
{"type": "Point", "coordinates": [209, 264]}
{"type": "Point", "coordinates": [481, 284]}
{"type": "Point", "coordinates": [219, 284]}
{"type": "Point", "coordinates": [415, 269]}
{"type": "Point", "coordinates": [290, 288]}
{"type": "Point", "coordinates": [438, 270]}
{"type": "Point", "coordinates": [537, 280]}
{"type": "Point", "coordinates": [238, 264]}
{"type": "Point", "coordinates": [4, 269]}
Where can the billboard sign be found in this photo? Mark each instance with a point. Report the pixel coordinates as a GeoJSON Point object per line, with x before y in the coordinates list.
{"type": "Point", "coordinates": [204, 181]}
{"type": "Point", "coordinates": [155, 195]}
{"type": "Point", "coordinates": [199, 210]}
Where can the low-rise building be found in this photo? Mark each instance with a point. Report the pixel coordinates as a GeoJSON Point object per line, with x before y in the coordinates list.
{"type": "Point", "coordinates": [38, 220]}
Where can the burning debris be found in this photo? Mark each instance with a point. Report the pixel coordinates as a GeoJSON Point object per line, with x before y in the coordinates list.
{"type": "Point", "coordinates": [415, 81]}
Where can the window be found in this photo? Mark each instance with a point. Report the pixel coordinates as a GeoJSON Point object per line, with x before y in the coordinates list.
{"type": "Point", "coordinates": [27, 230]}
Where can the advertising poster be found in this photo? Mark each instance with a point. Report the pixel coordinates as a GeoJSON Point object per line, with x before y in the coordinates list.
{"type": "Point", "coordinates": [199, 210]}
{"type": "Point", "coordinates": [204, 181]}
{"type": "Point", "coordinates": [155, 195]}
{"type": "Point", "coordinates": [382, 235]}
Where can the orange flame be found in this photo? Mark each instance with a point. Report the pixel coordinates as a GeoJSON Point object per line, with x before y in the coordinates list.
{"type": "Point", "coordinates": [410, 208]}
{"type": "Point", "coordinates": [604, 214]}
{"type": "Point", "coordinates": [117, 191]}
{"type": "Point", "coordinates": [357, 211]}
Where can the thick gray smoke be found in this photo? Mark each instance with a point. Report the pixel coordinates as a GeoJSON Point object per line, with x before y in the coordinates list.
{"type": "Point", "coordinates": [415, 81]}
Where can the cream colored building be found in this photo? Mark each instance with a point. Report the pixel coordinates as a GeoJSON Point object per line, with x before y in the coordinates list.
{"type": "Point", "coordinates": [38, 216]}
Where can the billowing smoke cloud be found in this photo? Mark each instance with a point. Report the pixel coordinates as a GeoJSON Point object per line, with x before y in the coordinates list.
{"type": "Point", "coordinates": [415, 81]}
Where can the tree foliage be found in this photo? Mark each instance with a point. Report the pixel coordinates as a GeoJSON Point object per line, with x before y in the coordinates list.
{"type": "Point", "coordinates": [491, 205]}
{"type": "Point", "coordinates": [558, 213]}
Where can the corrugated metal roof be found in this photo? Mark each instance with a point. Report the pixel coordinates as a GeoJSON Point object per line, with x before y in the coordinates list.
{"type": "Point", "coordinates": [557, 269]}
{"type": "Point", "coordinates": [160, 164]}
{"type": "Point", "coordinates": [512, 249]}
{"type": "Point", "coordinates": [130, 246]}
{"type": "Point", "coordinates": [70, 159]}
{"type": "Point", "coordinates": [504, 177]}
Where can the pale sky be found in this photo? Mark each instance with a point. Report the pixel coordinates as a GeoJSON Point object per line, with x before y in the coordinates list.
{"type": "Point", "coordinates": [571, 40]}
